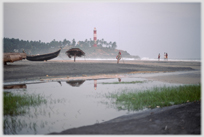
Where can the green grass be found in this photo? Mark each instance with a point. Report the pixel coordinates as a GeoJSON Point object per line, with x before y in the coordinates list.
{"type": "Point", "coordinates": [156, 97]}
{"type": "Point", "coordinates": [131, 82]}
{"type": "Point", "coordinates": [16, 104]}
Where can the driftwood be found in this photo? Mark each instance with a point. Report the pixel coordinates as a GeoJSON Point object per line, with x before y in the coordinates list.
{"type": "Point", "coordinates": [11, 57]}
{"type": "Point", "coordinates": [75, 52]}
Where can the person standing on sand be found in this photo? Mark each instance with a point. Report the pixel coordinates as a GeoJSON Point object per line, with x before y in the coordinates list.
{"type": "Point", "coordinates": [164, 55]}
{"type": "Point", "coordinates": [118, 57]}
{"type": "Point", "coordinates": [159, 56]}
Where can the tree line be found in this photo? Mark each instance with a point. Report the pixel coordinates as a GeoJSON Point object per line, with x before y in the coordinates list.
{"type": "Point", "coordinates": [38, 47]}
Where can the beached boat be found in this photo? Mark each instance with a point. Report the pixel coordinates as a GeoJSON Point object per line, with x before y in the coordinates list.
{"type": "Point", "coordinates": [43, 57]}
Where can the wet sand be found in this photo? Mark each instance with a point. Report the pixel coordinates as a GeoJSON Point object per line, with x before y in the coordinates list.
{"type": "Point", "coordinates": [27, 70]}
{"type": "Point", "coordinates": [188, 77]}
{"type": "Point", "coordinates": [178, 119]}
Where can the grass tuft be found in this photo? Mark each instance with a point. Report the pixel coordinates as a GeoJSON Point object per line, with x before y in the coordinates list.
{"type": "Point", "coordinates": [15, 104]}
{"type": "Point", "coordinates": [156, 97]}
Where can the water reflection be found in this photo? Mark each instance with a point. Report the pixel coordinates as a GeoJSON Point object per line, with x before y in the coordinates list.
{"type": "Point", "coordinates": [72, 107]}
{"type": "Point", "coordinates": [59, 82]}
{"type": "Point", "coordinates": [95, 84]}
{"type": "Point", "coordinates": [75, 83]}
{"type": "Point", "coordinates": [21, 86]}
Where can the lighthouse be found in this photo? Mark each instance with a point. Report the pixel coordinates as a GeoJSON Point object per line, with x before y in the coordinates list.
{"type": "Point", "coordinates": [95, 37]}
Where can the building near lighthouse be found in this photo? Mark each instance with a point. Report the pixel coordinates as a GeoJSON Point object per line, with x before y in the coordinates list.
{"type": "Point", "coordinates": [95, 37]}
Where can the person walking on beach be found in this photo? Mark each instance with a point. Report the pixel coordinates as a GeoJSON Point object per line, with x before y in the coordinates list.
{"type": "Point", "coordinates": [118, 57]}
{"type": "Point", "coordinates": [164, 55]}
{"type": "Point", "coordinates": [159, 56]}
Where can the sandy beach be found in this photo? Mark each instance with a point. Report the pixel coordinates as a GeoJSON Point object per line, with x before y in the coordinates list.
{"type": "Point", "coordinates": [181, 119]}
{"type": "Point", "coordinates": [26, 70]}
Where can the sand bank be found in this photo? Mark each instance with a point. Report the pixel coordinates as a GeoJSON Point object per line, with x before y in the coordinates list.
{"type": "Point", "coordinates": [92, 69]}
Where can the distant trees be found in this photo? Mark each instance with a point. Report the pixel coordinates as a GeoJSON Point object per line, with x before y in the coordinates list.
{"type": "Point", "coordinates": [100, 43]}
{"type": "Point", "coordinates": [64, 42]}
{"type": "Point", "coordinates": [38, 47]}
{"type": "Point", "coordinates": [73, 42]}
{"type": "Point", "coordinates": [30, 47]}
{"type": "Point", "coordinates": [114, 45]}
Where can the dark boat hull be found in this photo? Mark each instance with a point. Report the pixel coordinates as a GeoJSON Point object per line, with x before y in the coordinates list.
{"type": "Point", "coordinates": [43, 57]}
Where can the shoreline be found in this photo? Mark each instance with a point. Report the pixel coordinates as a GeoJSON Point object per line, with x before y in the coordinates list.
{"type": "Point", "coordinates": [180, 119]}
{"type": "Point", "coordinates": [68, 70]}
{"type": "Point", "coordinates": [64, 57]}
{"type": "Point", "coordinates": [169, 77]}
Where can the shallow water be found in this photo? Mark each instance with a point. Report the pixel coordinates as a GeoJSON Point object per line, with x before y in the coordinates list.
{"type": "Point", "coordinates": [71, 104]}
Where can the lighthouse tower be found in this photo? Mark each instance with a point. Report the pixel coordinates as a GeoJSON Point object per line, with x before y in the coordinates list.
{"type": "Point", "coordinates": [95, 37]}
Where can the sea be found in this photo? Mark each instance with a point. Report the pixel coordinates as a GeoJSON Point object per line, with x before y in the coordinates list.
{"type": "Point", "coordinates": [172, 59]}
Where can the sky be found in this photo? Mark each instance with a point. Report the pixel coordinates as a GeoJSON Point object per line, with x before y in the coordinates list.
{"type": "Point", "coordinates": [141, 28]}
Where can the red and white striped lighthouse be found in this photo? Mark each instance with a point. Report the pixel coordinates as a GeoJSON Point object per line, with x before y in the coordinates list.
{"type": "Point", "coordinates": [95, 37]}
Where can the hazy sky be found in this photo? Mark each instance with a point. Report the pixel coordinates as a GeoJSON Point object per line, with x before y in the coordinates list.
{"type": "Point", "coordinates": [143, 29]}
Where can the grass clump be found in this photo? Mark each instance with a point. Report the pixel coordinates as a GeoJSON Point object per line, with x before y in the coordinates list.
{"type": "Point", "coordinates": [15, 104]}
{"type": "Point", "coordinates": [156, 97]}
{"type": "Point", "coordinates": [131, 82]}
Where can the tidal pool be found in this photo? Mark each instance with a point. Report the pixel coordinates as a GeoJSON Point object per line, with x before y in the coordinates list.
{"type": "Point", "coordinates": [71, 104]}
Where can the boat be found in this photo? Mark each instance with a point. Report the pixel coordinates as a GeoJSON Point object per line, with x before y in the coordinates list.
{"type": "Point", "coordinates": [43, 57]}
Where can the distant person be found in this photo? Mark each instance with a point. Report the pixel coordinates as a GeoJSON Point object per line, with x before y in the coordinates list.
{"type": "Point", "coordinates": [118, 57]}
{"type": "Point", "coordinates": [159, 56]}
{"type": "Point", "coordinates": [166, 56]}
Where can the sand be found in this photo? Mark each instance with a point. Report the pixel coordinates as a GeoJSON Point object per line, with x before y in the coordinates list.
{"type": "Point", "coordinates": [189, 77]}
{"type": "Point", "coordinates": [91, 69]}
{"type": "Point", "coordinates": [178, 119]}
